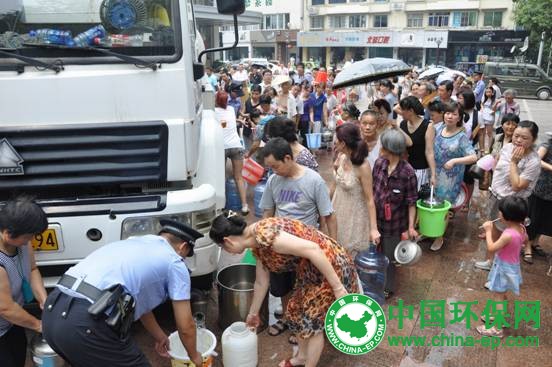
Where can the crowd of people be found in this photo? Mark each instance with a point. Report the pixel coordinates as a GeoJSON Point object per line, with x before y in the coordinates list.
{"type": "Point", "coordinates": [394, 140]}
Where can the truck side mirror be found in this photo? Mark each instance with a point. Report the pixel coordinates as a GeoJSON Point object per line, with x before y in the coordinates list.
{"type": "Point", "coordinates": [231, 7]}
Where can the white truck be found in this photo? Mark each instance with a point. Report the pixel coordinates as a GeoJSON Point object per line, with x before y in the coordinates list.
{"type": "Point", "coordinates": [112, 136]}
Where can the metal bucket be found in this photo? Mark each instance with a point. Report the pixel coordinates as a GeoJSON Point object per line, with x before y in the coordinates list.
{"type": "Point", "coordinates": [235, 294]}
{"type": "Point", "coordinates": [43, 355]}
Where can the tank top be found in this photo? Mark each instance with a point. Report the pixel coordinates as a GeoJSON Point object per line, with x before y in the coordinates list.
{"type": "Point", "coordinates": [510, 252]}
{"type": "Point", "coordinates": [416, 153]}
{"type": "Point", "coordinates": [16, 266]}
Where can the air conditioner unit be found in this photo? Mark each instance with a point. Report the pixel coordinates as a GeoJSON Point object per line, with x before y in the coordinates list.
{"type": "Point", "coordinates": [313, 11]}
{"type": "Point", "coordinates": [397, 6]}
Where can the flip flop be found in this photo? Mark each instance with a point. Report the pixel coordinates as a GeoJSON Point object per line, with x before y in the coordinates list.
{"type": "Point", "coordinates": [277, 328]}
{"type": "Point", "coordinates": [292, 340]}
{"type": "Point", "coordinates": [528, 258]}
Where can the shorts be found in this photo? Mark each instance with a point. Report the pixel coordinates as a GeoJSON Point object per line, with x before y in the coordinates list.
{"type": "Point", "coordinates": [234, 154]}
{"type": "Point", "coordinates": [281, 284]}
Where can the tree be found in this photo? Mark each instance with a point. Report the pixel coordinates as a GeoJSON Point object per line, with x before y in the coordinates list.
{"type": "Point", "coordinates": [536, 17]}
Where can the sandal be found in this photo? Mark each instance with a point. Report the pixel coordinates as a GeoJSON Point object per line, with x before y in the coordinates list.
{"type": "Point", "coordinates": [387, 293]}
{"type": "Point", "coordinates": [292, 340]}
{"type": "Point", "coordinates": [538, 250]}
{"type": "Point", "coordinates": [493, 331]}
{"type": "Point", "coordinates": [287, 363]}
{"type": "Point", "coordinates": [276, 329]}
{"type": "Point", "coordinates": [528, 258]}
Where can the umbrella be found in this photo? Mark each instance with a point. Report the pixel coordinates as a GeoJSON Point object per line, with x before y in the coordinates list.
{"type": "Point", "coordinates": [449, 75]}
{"type": "Point", "coordinates": [368, 70]}
{"type": "Point", "coordinates": [432, 72]}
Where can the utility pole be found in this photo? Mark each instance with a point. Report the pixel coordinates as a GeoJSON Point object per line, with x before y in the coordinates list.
{"type": "Point", "coordinates": [541, 48]}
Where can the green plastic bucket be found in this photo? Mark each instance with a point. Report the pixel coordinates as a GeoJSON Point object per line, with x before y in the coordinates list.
{"type": "Point", "coordinates": [248, 258]}
{"type": "Point", "coordinates": [432, 221]}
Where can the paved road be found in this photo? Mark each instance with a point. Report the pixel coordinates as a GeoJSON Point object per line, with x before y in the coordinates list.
{"type": "Point", "coordinates": [538, 111]}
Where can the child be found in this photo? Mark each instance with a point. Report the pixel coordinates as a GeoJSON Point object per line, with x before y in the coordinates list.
{"type": "Point", "coordinates": [505, 273]}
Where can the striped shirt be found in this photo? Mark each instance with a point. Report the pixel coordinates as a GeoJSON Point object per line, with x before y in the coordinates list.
{"type": "Point", "coordinates": [15, 266]}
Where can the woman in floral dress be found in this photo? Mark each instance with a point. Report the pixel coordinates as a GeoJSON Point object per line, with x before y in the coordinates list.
{"type": "Point", "coordinates": [453, 150]}
{"type": "Point", "coordinates": [324, 270]}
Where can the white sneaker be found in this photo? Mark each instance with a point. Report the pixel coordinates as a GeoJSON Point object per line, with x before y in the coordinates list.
{"type": "Point", "coordinates": [483, 265]}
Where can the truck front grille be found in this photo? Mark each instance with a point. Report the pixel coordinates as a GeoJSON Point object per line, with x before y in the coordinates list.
{"type": "Point", "coordinates": [87, 154]}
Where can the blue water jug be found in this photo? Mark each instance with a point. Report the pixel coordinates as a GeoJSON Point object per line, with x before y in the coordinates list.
{"type": "Point", "coordinates": [259, 189]}
{"type": "Point", "coordinates": [233, 201]}
{"type": "Point", "coordinates": [372, 269]}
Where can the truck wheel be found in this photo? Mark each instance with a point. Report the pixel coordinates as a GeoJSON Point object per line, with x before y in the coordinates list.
{"type": "Point", "coordinates": [543, 94]}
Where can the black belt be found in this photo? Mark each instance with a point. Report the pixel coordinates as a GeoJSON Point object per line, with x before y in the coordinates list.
{"type": "Point", "coordinates": [87, 290]}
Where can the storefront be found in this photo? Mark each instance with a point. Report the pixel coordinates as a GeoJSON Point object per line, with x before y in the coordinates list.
{"type": "Point", "coordinates": [336, 48]}
{"type": "Point", "coordinates": [475, 46]}
{"type": "Point", "coordinates": [269, 44]}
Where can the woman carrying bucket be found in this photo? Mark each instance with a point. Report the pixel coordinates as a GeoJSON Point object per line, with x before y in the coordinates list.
{"type": "Point", "coordinates": [395, 195]}
{"type": "Point", "coordinates": [233, 147]}
{"type": "Point", "coordinates": [453, 150]}
{"type": "Point", "coordinates": [325, 272]}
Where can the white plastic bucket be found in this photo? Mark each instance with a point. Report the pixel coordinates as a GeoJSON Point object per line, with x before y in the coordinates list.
{"type": "Point", "coordinates": [206, 344]}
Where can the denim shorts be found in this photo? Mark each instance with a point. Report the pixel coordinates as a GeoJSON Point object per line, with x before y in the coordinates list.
{"type": "Point", "coordinates": [234, 154]}
{"type": "Point", "coordinates": [504, 276]}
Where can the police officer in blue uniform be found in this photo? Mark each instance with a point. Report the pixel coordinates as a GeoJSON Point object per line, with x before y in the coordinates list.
{"type": "Point", "coordinates": [87, 318]}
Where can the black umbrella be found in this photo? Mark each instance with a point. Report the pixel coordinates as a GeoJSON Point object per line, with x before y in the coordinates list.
{"type": "Point", "coordinates": [368, 70]}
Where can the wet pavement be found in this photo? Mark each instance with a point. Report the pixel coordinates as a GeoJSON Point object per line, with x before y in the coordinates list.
{"type": "Point", "coordinates": [448, 274]}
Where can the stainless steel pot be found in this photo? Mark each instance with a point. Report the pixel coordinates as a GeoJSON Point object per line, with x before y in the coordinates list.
{"type": "Point", "coordinates": [408, 252]}
{"type": "Point", "coordinates": [235, 294]}
{"type": "Point", "coordinates": [43, 354]}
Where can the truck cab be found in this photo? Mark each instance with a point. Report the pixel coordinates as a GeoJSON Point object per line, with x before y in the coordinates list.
{"type": "Point", "coordinates": [103, 123]}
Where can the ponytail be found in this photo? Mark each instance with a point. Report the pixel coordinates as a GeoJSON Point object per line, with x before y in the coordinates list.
{"type": "Point", "coordinates": [358, 155]}
{"type": "Point", "coordinates": [350, 134]}
{"type": "Point", "coordinates": [229, 223]}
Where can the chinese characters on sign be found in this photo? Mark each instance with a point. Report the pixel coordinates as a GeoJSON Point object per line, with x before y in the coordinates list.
{"type": "Point", "coordinates": [433, 313]}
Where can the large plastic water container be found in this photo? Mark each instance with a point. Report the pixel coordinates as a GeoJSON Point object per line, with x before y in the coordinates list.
{"type": "Point", "coordinates": [372, 269]}
{"type": "Point", "coordinates": [259, 190]}
{"type": "Point", "coordinates": [239, 346]}
{"type": "Point", "coordinates": [233, 201]}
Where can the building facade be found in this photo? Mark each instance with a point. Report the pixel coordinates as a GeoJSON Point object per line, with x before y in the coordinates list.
{"type": "Point", "coordinates": [275, 37]}
{"type": "Point", "coordinates": [420, 32]}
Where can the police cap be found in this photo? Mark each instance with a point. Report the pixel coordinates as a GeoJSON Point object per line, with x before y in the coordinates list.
{"type": "Point", "coordinates": [181, 231]}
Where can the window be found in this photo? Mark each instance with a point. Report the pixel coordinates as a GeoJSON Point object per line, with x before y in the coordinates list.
{"type": "Point", "coordinates": [415, 20]}
{"type": "Point", "coordinates": [464, 19]}
{"type": "Point", "coordinates": [492, 19]}
{"type": "Point", "coordinates": [316, 22]}
{"type": "Point", "coordinates": [338, 21]}
{"type": "Point", "coordinates": [276, 21]}
{"type": "Point", "coordinates": [439, 19]}
{"type": "Point", "coordinates": [380, 21]}
{"type": "Point", "coordinates": [318, 2]}
{"type": "Point", "coordinates": [357, 21]}
{"type": "Point", "coordinates": [337, 1]}
{"type": "Point", "coordinates": [357, 1]}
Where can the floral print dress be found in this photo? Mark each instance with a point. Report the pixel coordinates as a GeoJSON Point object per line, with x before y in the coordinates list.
{"type": "Point", "coordinates": [449, 182]}
{"type": "Point", "coordinates": [312, 295]}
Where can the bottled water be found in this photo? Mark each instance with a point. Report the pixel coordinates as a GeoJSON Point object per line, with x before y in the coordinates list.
{"type": "Point", "coordinates": [86, 39]}
{"type": "Point", "coordinates": [372, 268]}
{"type": "Point", "coordinates": [52, 36]}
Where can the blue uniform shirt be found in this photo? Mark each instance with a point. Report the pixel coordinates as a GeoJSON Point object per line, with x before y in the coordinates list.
{"type": "Point", "coordinates": [148, 268]}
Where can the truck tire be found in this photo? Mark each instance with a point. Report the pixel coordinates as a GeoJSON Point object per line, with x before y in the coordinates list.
{"type": "Point", "coordinates": [543, 94]}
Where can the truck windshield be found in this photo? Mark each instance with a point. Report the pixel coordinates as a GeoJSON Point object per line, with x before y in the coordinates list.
{"type": "Point", "coordinates": [143, 28]}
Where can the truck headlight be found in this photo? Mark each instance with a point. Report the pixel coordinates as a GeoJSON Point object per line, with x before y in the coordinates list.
{"type": "Point", "coordinates": [200, 220]}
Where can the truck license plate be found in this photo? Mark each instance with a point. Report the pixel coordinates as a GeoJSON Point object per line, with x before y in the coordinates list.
{"type": "Point", "coordinates": [46, 241]}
